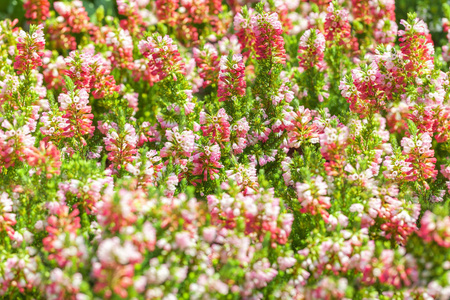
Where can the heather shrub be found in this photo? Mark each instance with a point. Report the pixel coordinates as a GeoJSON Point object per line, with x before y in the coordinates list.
{"type": "Point", "coordinates": [235, 149]}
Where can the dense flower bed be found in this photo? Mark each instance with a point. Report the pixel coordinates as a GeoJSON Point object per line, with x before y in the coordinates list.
{"type": "Point", "coordinates": [207, 149]}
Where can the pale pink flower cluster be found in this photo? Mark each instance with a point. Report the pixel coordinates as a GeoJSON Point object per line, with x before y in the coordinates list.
{"type": "Point", "coordinates": [179, 143]}
{"type": "Point", "coordinates": [313, 197]}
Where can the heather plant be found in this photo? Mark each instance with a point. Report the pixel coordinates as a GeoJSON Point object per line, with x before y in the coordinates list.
{"type": "Point", "coordinates": [231, 149]}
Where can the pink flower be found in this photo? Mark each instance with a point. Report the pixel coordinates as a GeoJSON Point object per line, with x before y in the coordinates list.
{"type": "Point", "coordinates": [46, 159]}
{"type": "Point", "coordinates": [245, 177]}
{"type": "Point", "coordinates": [385, 31]}
{"type": "Point", "coordinates": [269, 43]}
{"type": "Point", "coordinates": [114, 269]}
{"type": "Point", "coordinates": [122, 44]}
{"type": "Point", "coordinates": [132, 99]}
{"type": "Point", "coordinates": [300, 127]}
{"type": "Point", "coordinates": [7, 217]}
{"type": "Point", "coordinates": [63, 234]}
{"type": "Point", "coordinates": [166, 10]}
{"type": "Point", "coordinates": [74, 14]}
{"type": "Point", "coordinates": [37, 10]}
{"type": "Point", "coordinates": [133, 20]}
{"type": "Point", "coordinates": [420, 158]}
{"type": "Point", "coordinates": [417, 47]}
{"type": "Point", "coordinates": [312, 197]}
{"type": "Point", "coordinates": [243, 26]}
{"type": "Point", "coordinates": [14, 140]}
{"type": "Point", "coordinates": [337, 27]}
{"type": "Point", "coordinates": [311, 49]}
{"type": "Point", "coordinates": [63, 285]}
{"type": "Point", "coordinates": [238, 137]}
{"type": "Point", "coordinates": [23, 272]}
{"type": "Point", "coordinates": [209, 234]}
{"type": "Point", "coordinates": [121, 145]}
{"type": "Point", "coordinates": [207, 163]}
{"type": "Point", "coordinates": [216, 127]}
{"type": "Point", "coordinates": [163, 55]}
{"type": "Point", "coordinates": [259, 211]}
{"type": "Point", "coordinates": [392, 267]}
{"type": "Point", "coordinates": [435, 228]}
{"type": "Point", "coordinates": [183, 240]}
{"type": "Point", "coordinates": [90, 72]}
{"type": "Point", "coordinates": [30, 48]}
{"type": "Point", "coordinates": [116, 216]}
{"type": "Point", "coordinates": [231, 78]}
{"type": "Point", "coordinates": [179, 144]}
{"type": "Point", "coordinates": [207, 62]}
{"type": "Point", "coordinates": [77, 114]}
{"type": "Point", "coordinates": [172, 182]}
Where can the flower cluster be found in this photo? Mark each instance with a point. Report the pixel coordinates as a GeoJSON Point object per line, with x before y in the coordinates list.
{"type": "Point", "coordinates": [337, 26]}
{"type": "Point", "coordinates": [311, 48]}
{"type": "Point", "coordinates": [207, 60]}
{"type": "Point", "coordinates": [269, 43]}
{"type": "Point", "coordinates": [231, 78]}
{"type": "Point", "coordinates": [29, 47]}
{"type": "Point", "coordinates": [37, 10]}
{"type": "Point", "coordinates": [164, 56]}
